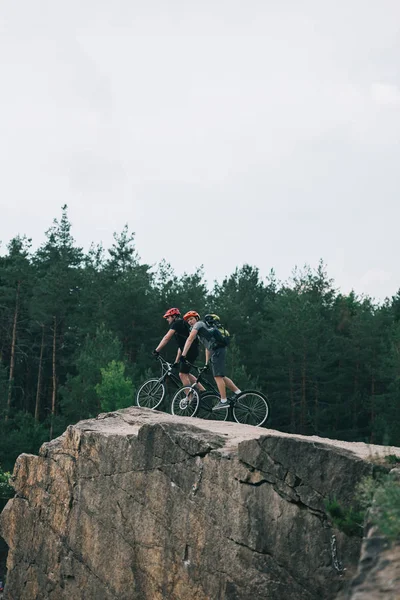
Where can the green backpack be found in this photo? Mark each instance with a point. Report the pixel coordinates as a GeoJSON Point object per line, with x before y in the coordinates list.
{"type": "Point", "coordinates": [221, 335]}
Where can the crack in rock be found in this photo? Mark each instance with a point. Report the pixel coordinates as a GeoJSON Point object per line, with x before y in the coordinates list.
{"type": "Point", "coordinates": [183, 512]}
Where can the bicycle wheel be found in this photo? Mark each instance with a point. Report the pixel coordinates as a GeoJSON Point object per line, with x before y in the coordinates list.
{"type": "Point", "coordinates": [207, 401]}
{"type": "Point", "coordinates": [150, 394]}
{"type": "Point", "coordinates": [185, 402]}
{"type": "Point", "coordinates": [250, 408]}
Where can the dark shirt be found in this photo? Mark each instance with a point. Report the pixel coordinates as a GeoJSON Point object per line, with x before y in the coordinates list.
{"type": "Point", "coordinates": [182, 330]}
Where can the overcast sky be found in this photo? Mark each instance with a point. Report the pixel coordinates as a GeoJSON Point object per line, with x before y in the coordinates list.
{"type": "Point", "coordinates": [223, 132]}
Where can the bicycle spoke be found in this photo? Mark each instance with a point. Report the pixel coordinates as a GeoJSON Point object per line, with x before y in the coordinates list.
{"type": "Point", "coordinates": [185, 402]}
{"type": "Point", "coordinates": [150, 394]}
{"type": "Point", "coordinates": [207, 402]}
{"type": "Point", "coordinates": [251, 408]}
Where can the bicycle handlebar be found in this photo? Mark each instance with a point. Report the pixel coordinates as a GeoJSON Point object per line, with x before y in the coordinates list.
{"type": "Point", "coordinates": [162, 360]}
{"type": "Point", "coordinates": [170, 365]}
{"type": "Point", "coordinates": [200, 370]}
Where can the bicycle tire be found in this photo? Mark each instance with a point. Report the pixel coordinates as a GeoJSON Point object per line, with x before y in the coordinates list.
{"type": "Point", "coordinates": [150, 394]}
{"type": "Point", "coordinates": [205, 411]}
{"type": "Point", "coordinates": [250, 408]}
{"type": "Point", "coordinates": [181, 406]}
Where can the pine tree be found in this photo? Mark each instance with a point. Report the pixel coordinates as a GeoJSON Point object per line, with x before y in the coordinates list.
{"type": "Point", "coordinates": [15, 285]}
{"type": "Point", "coordinates": [79, 399]}
{"type": "Point", "coordinates": [55, 301]}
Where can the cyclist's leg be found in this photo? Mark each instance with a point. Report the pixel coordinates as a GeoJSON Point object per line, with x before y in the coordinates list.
{"type": "Point", "coordinates": [221, 386]}
{"type": "Point", "coordinates": [192, 357]}
{"type": "Point", "coordinates": [184, 370]}
{"type": "Point", "coordinates": [231, 386]}
{"type": "Point", "coordinates": [200, 387]}
{"type": "Point", "coordinates": [184, 377]}
{"type": "Point", "coordinates": [187, 378]}
{"type": "Point", "coordinates": [217, 360]}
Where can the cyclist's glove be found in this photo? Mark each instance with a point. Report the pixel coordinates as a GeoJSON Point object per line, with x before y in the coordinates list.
{"type": "Point", "coordinates": [183, 359]}
{"type": "Point", "coordinates": [175, 365]}
{"type": "Point", "coordinates": [206, 367]}
{"type": "Point", "coordinates": [155, 353]}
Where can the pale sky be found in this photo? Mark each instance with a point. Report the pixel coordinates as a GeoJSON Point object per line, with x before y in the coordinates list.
{"type": "Point", "coordinates": [223, 132]}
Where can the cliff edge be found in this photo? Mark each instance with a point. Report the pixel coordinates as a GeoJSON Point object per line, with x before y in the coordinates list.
{"type": "Point", "coordinates": [143, 505]}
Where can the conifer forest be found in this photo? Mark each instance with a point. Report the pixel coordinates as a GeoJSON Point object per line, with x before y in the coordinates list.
{"type": "Point", "coordinates": [77, 330]}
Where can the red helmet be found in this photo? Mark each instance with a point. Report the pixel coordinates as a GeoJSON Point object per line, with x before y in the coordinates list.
{"type": "Point", "coordinates": [191, 313]}
{"type": "Point", "coordinates": [171, 312]}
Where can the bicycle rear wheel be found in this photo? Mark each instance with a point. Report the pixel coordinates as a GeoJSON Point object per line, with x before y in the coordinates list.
{"type": "Point", "coordinates": [150, 394]}
{"type": "Point", "coordinates": [207, 401]}
{"type": "Point", "coordinates": [185, 403]}
{"type": "Point", "coordinates": [250, 408]}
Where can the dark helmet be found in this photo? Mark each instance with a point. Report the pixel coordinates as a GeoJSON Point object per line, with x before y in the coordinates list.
{"type": "Point", "coordinates": [211, 319]}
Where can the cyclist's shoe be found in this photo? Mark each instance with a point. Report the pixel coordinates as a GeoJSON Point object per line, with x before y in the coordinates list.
{"type": "Point", "coordinates": [221, 405]}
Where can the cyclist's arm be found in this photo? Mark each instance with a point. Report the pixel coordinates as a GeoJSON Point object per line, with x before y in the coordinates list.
{"type": "Point", "coordinates": [189, 342]}
{"type": "Point", "coordinates": [165, 339]}
{"type": "Point", "coordinates": [178, 355]}
{"type": "Point", "coordinates": [208, 354]}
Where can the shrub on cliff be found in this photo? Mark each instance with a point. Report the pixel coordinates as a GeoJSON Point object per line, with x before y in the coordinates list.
{"type": "Point", "coordinates": [382, 495]}
{"type": "Point", "coordinates": [6, 491]}
{"type": "Point", "coordinates": [115, 390]}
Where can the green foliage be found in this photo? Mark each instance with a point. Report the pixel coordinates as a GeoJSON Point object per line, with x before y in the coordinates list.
{"type": "Point", "coordinates": [382, 495]}
{"type": "Point", "coordinates": [19, 434]}
{"type": "Point", "coordinates": [6, 490]}
{"type": "Point", "coordinates": [79, 398]}
{"type": "Point", "coordinates": [387, 502]}
{"type": "Point", "coordinates": [365, 490]}
{"type": "Point", "coordinates": [330, 363]}
{"type": "Point", "coordinates": [3, 389]}
{"type": "Point", "coordinates": [348, 519]}
{"type": "Point", "coordinates": [392, 459]}
{"type": "Point", "coordinates": [115, 390]}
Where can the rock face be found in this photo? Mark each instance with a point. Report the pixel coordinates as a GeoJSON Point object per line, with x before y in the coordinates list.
{"type": "Point", "coordinates": [378, 575]}
{"type": "Point", "coordinates": [142, 505]}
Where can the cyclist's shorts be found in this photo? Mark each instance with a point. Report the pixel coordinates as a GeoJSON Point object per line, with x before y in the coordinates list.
{"type": "Point", "coordinates": [191, 356]}
{"type": "Point", "coordinates": [218, 362]}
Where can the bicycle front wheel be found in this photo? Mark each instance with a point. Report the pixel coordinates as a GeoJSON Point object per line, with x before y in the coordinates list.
{"type": "Point", "coordinates": [150, 394]}
{"type": "Point", "coordinates": [207, 402]}
{"type": "Point", "coordinates": [185, 403]}
{"type": "Point", "coordinates": [250, 408]}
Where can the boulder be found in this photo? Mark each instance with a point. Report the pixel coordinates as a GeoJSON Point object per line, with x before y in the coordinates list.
{"type": "Point", "coordinates": [142, 505]}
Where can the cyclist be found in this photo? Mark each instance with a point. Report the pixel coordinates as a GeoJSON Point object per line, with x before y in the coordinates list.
{"type": "Point", "coordinates": [179, 329]}
{"type": "Point", "coordinates": [215, 354]}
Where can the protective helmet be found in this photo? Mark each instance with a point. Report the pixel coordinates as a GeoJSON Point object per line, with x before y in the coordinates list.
{"type": "Point", "coordinates": [171, 312]}
{"type": "Point", "coordinates": [211, 319]}
{"type": "Point", "coordinates": [191, 313]}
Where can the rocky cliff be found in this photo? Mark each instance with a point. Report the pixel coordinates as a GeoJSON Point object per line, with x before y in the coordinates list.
{"type": "Point", "coordinates": [142, 505]}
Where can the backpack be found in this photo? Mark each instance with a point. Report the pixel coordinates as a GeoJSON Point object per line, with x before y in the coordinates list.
{"type": "Point", "coordinates": [221, 335]}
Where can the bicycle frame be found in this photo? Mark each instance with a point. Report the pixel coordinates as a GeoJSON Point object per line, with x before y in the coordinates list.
{"type": "Point", "coordinates": [166, 371]}
{"type": "Point", "coordinates": [202, 379]}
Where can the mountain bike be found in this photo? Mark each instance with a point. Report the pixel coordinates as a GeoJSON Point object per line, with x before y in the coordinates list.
{"type": "Point", "coordinates": [248, 408]}
{"type": "Point", "coordinates": [152, 392]}
{"type": "Point", "coordinates": [184, 402]}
